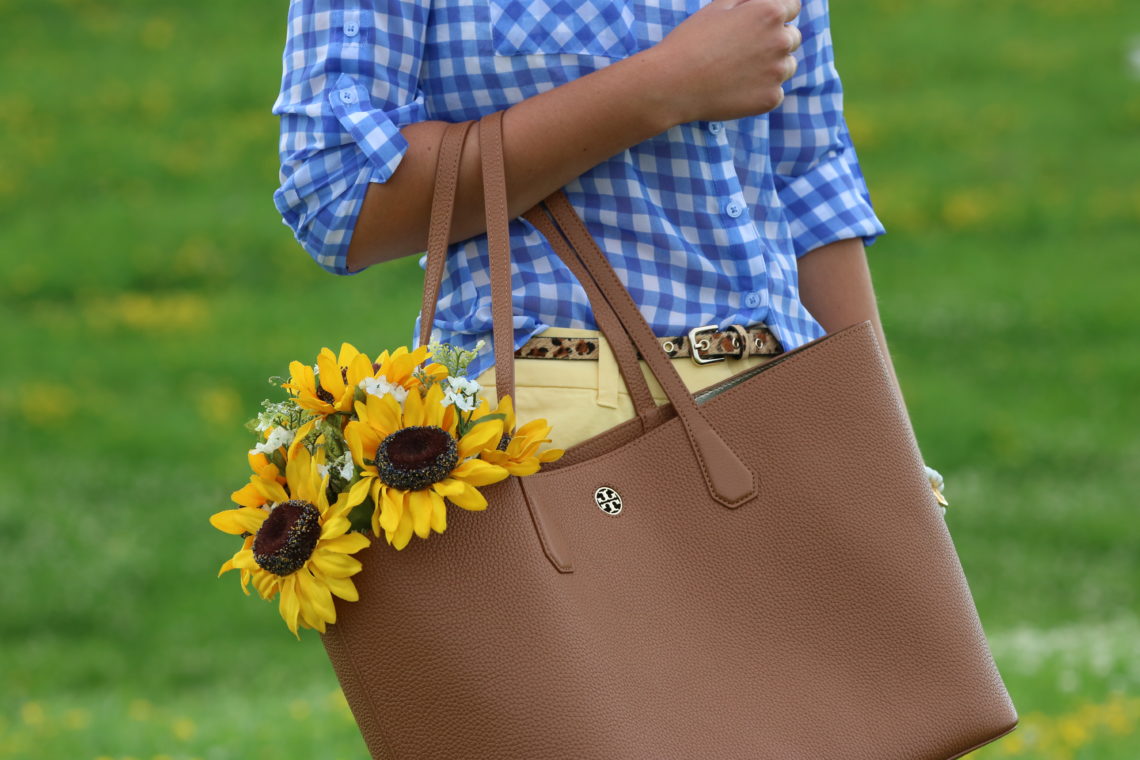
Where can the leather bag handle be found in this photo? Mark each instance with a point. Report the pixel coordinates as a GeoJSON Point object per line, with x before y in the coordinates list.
{"type": "Point", "coordinates": [439, 228]}
{"type": "Point", "coordinates": [729, 481]}
{"type": "Point", "coordinates": [607, 320]}
{"type": "Point", "coordinates": [442, 210]}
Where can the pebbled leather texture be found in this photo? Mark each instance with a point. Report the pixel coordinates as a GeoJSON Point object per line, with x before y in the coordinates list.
{"type": "Point", "coordinates": [825, 617]}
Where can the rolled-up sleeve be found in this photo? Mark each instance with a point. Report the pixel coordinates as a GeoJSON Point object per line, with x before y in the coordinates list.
{"type": "Point", "coordinates": [349, 83]}
{"type": "Point", "coordinates": [818, 178]}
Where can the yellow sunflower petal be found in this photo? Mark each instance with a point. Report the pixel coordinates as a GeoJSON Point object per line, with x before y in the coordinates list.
{"type": "Point", "coordinates": [413, 409]}
{"type": "Point", "coordinates": [439, 516]}
{"type": "Point", "coordinates": [550, 455]}
{"type": "Point", "coordinates": [359, 367]}
{"type": "Point", "coordinates": [494, 456]}
{"type": "Point", "coordinates": [479, 473]}
{"type": "Point", "coordinates": [257, 460]}
{"type": "Point", "coordinates": [238, 521]}
{"type": "Point", "coordinates": [359, 491]}
{"type": "Point", "coordinates": [420, 504]}
{"type": "Point", "coordinates": [248, 495]}
{"type": "Point", "coordinates": [317, 598]}
{"type": "Point", "coordinates": [348, 354]}
{"type": "Point", "coordinates": [290, 605]}
{"type": "Point", "coordinates": [523, 468]}
{"type": "Point", "coordinates": [433, 409]}
{"type": "Point", "coordinates": [349, 543]}
{"type": "Point", "coordinates": [229, 564]}
{"type": "Point", "coordinates": [335, 564]}
{"type": "Point", "coordinates": [448, 486]}
{"type": "Point", "coordinates": [392, 504]}
{"type": "Point", "coordinates": [244, 559]}
{"type": "Point", "coordinates": [268, 585]}
{"type": "Point", "coordinates": [303, 477]}
{"type": "Point", "coordinates": [449, 419]}
{"type": "Point", "coordinates": [383, 414]}
{"type": "Point", "coordinates": [507, 407]}
{"type": "Point", "coordinates": [469, 499]}
{"type": "Point", "coordinates": [270, 490]}
{"type": "Point", "coordinates": [331, 379]}
{"type": "Point", "coordinates": [301, 379]}
{"type": "Point", "coordinates": [333, 527]}
{"type": "Point", "coordinates": [403, 532]}
{"type": "Point", "coordinates": [362, 441]}
{"type": "Point", "coordinates": [483, 435]}
{"type": "Point", "coordinates": [341, 587]}
{"type": "Point", "coordinates": [537, 427]}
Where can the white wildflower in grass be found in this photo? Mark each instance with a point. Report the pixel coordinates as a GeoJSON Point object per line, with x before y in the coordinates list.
{"type": "Point", "coordinates": [278, 437]}
{"type": "Point", "coordinates": [379, 386]}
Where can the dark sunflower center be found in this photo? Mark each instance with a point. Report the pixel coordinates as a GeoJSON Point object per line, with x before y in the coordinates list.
{"type": "Point", "coordinates": [415, 457]}
{"type": "Point", "coordinates": [286, 538]}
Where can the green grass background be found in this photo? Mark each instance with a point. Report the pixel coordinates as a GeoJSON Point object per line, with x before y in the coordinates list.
{"type": "Point", "coordinates": [148, 288]}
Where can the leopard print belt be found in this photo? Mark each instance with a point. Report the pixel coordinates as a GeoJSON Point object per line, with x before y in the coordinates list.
{"type": "Point", "coordinates": [704, 345]}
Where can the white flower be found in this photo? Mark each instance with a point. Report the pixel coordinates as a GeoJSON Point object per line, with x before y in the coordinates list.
{"type": "Point", "coordinates": [460, 401]}
{"type": "Point", "coordinates": [379, 387]}
{"type": "Point", "coordinates": [346, 471]}
{"type": "Point", "coordinates": [277, 438]}
{"type": "Point", "coordinates": [937, 484]}
{"type": "Point", "coordinates": [463, 393]}
{"type": "Point", "coordinates": [465, 386]}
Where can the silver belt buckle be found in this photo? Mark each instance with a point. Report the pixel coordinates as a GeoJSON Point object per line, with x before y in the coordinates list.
{"type": "Point", "coordinates": [693, 346]}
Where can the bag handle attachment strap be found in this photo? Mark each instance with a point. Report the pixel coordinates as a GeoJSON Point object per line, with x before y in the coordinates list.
{"type": "Point", "coordinates": [729, 480]}
{"type": "Point", "coordinates": [442, 210]}
{"type": "Point", "coordinates": [607, 319]}
{"type": "Point", "coordinates": [443, 205]}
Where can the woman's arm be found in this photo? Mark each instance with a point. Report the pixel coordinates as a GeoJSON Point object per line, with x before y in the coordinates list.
{"type": "Point", "coordinates": [835, 286]}
{"type": "Point", "coordinates": [557, 135]}
{"type": "Point", "coordinates": [549, 139]}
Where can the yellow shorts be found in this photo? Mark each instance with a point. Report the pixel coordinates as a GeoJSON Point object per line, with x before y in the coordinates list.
{"type": "Point", "coordinates": [581, 398]}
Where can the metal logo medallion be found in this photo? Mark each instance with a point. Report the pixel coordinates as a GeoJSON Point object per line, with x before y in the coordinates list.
{"type": "Point", "coordinates": [608, 500]}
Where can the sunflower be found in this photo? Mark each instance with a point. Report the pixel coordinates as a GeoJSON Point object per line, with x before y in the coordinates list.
{"type": "Point", "coordinates": [296, 545]}
{"type": "Point", "coordinates": [410, 458]}
{"type": "Point", "coordinates": [339, 376]}
{"type": "Point", "coordinates": [519, 453]}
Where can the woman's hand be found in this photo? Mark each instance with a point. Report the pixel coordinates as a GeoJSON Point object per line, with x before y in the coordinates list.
{"type": "Point", "coordinates": [730, 58]}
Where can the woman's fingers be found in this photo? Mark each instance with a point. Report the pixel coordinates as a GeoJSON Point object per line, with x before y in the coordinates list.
{"type": "Point", "coordinates": [795, 37]}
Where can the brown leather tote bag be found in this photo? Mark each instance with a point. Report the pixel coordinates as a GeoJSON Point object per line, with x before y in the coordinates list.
{"type": "Point", "coordinates": [711, 579]}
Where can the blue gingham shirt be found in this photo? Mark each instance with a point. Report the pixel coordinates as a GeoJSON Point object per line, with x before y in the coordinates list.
{"type": "Point", "coordinates": [703, 222]}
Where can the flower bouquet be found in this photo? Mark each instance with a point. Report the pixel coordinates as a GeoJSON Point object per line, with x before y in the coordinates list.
{"type": "Point", "coordinates": [359, 449]}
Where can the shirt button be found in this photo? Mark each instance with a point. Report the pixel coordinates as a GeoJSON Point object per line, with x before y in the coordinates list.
{"type": "Point", "coordinates": [348, 96]}
{"type": "Point", "coordinates": [752, 299]}
{"type": "Point", "coordinates": [733, 209]}
{"type": "Point", "coordinates": [351, 28]}
{"type": "Point", "coordinates": [716, 127]}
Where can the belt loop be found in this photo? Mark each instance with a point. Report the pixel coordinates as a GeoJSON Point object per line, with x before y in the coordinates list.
{"type": "Point", "coordinates": [609, 378]}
